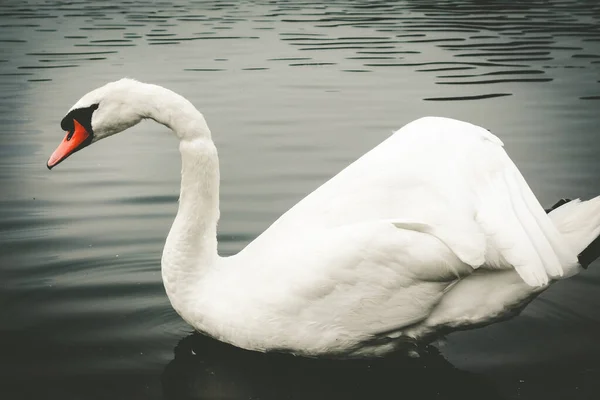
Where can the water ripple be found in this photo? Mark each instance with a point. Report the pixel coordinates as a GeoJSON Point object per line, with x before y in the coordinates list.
{"type": "Point", "coordinates": [509, 34]}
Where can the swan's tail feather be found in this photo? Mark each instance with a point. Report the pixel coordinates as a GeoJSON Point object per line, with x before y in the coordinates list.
{"type": "Point", "coordinates": [558, 204]}
{"type": "Point", "coordinates": [579, 224]}
{"type": "Point", "coordinates": [590, 254]}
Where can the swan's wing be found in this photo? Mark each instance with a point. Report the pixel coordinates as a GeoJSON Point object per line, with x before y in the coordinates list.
{"type": "Point", "coordinates": [455, 178]}
{"type": "Point", "coordinates": [518, 231]}
{"type": "Point", "coordinates": [492, 218]}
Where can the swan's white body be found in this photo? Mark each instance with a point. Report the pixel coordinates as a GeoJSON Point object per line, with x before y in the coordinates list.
{"type": "Point", "coordinates": [433, 230]}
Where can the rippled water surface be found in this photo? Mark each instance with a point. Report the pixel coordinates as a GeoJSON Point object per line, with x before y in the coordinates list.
{"type": "Point", "coordinates": [293, 91]}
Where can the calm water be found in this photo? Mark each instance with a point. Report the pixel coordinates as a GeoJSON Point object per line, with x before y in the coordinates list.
{"type": "Point", "coordinates": [293, 92]}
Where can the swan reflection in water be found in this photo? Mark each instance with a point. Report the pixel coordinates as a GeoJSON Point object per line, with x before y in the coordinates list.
{"type": "Point", "coordinates": [204, 368]}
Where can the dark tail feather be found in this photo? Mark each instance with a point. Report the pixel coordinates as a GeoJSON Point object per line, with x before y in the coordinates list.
{"type": "Point", "coordinates": [590, 253]}
{"type": "Point", "coordinates": [558, 204]}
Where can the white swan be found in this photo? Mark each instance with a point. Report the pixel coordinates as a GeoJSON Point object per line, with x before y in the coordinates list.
{"type": "Point", "coordinates": [434, 230]}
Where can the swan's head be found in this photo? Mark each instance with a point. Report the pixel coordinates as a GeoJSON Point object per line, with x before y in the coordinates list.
{"type": "Point", "coordinates": [101, 113]}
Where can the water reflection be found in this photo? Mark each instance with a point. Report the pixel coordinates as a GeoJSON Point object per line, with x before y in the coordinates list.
{"type": "Point", "coordinates": [206, 369]}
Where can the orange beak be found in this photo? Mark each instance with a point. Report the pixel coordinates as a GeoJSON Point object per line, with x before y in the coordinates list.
{"type": "Point", "coordinates": [72, 142]}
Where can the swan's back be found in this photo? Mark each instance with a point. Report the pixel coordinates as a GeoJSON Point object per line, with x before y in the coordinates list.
{"type": "Point", "coordinates": [450, 178]}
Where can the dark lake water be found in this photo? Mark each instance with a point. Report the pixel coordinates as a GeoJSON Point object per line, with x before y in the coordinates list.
{"type": "Point", "coordinates": [293, 91]}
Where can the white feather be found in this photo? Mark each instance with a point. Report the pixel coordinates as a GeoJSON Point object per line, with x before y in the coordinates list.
{"type": "Point", "coordinates": [579, 224]}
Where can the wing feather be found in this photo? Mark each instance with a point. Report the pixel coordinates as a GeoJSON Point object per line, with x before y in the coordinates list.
{"type": "Point", "coordinates": [501, 208]}
{"type": "Point", "coordinates": [518, 229]}
{"type": "Point", "coordinates": [450, 179]}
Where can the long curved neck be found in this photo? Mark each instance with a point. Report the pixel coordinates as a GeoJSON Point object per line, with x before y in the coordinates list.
{"type": "Point", "coordinates": [191, 246]}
